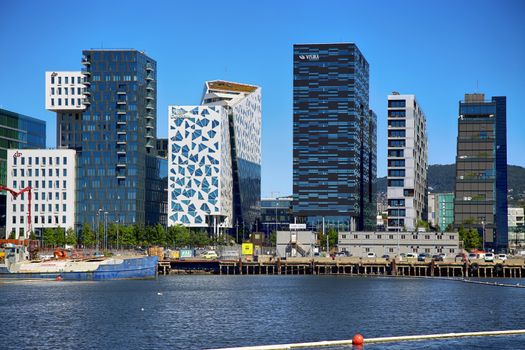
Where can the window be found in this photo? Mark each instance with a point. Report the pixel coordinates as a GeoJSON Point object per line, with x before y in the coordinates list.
{"type": "Point", "coordinates": [64, 184]}
{"type": "Point", "coordinates": [52, 79]}
{"type": "Point", "coordinates": [56, 207]}
{"type": "Point", "coordinates": [64, 160]}
{"type": "Point", "coordinates": [396, 133]}
{"type": "Point", "coordinates": [66, 81]}
{"type": "Point", "coordinates": [63, 219]}
{"type": "Point", "coordinates": [64, 195]}
{"type": "Point", "coordinates": [36, 206]}
{"type": "Point", "coordinates": [49, 220]}
{"type": "Point", "coordinates": [343, 236]}
{"type": "Point", "coordinates": [22, 172]}
{"type": "Point", "coordinates": [36, 219]}
{"type": "Point", "coordinates": [23, 160]}
{"type": "Point", "coordinates": [396, 183]}
{"type": "Point", "coordinates": [64, 172]}
{"type": "Point", "coordinates": [60, 80]}
{"type": "Point", "coordinates": [408, 192]}
{"type": "Point", "coordinates": [14, 208]}
{"type": "Point", "coordinates": [14, 219]}
{"type": "Point", "coordinates": [52, 102]}
{"type": "Point", "coordinates": [14, 172]}
{"type": "Point", "coordinates": [36, 161]}
{"type": "Point", "coordinates": [396, 103]}
{"type": "Point", "coordinates": [367, 236]}
{"type": "Point", "coordinates": [49, 207]}
{"type": "Point", "coordinates": [57, 160]}
{"type": "Point", "coordinates": [396, 173]}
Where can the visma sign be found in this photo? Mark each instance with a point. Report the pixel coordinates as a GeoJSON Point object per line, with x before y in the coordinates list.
{"type": "Point", "coordinates": [313, 57]}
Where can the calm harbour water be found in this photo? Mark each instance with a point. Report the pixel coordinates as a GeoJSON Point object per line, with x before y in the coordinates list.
{"type": "Point", "coordinates": [197, 312]}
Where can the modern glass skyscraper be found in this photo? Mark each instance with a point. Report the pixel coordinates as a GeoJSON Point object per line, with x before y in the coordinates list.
{"type": "Point", "coordinates": [16, 131]}
{"type": "Point", "coordinates": [481, 169]}
{"type": "Point", "coordinates": [334, 137]}
{"type": "Point", "coordinates": [118, 168]}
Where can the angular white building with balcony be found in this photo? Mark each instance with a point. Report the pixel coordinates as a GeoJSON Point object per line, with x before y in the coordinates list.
{"type": "Point", "coordinates": [407, 163]}
{"type": "Point", "coordinates": [225, 131]}
{"type": "Point", "coordinates": [51, 174]}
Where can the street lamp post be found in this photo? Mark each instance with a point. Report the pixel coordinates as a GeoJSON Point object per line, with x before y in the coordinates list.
{"type": "Point", "coordinates": [105, 230]}
{"type": "Point", "coordinates": [98, 229]}
{"type": "Point", "coordinates": [483, 224]}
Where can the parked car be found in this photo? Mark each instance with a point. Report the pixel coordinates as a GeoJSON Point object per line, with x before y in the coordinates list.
{"type": "Point", "coordinates": [342, 254]}
{"type": "Point", "coordinates": [370, 255]}
{"type": "Point", "coordinates": [437, 257]}
{"type": "Point", "coordinates": [386, 256]}
{"type": "Point", "coordinates": [460, 257]}
{"type": "Point", "coordinates": [422, 257]}
{"type": "Point", "coordinates": [472, 256]}
{"type": "Point", "coordinates": [411, 256]}
{"type": "Point", "coordinates": [502, 257]}
{"type": "Point", "coordinates": [489, 257]}
{"type": "Point", "coordinates": [210, 254]}
{"type": "Point", "coordinates": [443, 255]}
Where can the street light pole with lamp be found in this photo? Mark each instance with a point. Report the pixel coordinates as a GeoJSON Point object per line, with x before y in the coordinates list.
{"type": "Point", "coordinates": [98, 229]}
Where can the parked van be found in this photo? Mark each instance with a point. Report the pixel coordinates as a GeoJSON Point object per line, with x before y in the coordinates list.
{"type": "Point", "coordinates": [411, 256]}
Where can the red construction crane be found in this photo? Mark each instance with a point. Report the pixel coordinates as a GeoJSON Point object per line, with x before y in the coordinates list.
{"type": "Point", "coordinates": [15, 194]}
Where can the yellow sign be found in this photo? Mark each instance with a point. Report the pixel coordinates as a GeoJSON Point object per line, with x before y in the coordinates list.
{"type": "Point", "coordinates": [247, 249]}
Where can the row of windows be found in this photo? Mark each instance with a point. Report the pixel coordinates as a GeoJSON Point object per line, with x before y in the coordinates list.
{"type": "Point", "coordinates": [396, 183]}
{"type": "Point", "coordinates": [388, 236]}
{"type": "Point", "coordinates": [29, 172]}
{"type": "Point", "coordinates": [43, 183]}
{"type": "Point", "coordinates": [40, 159]}
{"type": "Point", "coordinates": [42, 195]}
{"type": "Point", "coordinates": [67, 91]}
{"type": "Point", "coordinates": [66, 102]}
{"type": "Point", "coordinates": [42, 219]}
{"type": "Point", "coordinates": [42, 207]}
{"type": "Point", "coordinates": [66, 80]}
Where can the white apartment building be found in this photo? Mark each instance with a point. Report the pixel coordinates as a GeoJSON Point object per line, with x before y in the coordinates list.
{"type": "Point", "coordinates": [407, 163]}
{"type": "Point", "coordinates": [50, 173]}
{"type": "Point", "coordinates": [65, 91]}
{"type": "Point", "coordinates": [515, 217]}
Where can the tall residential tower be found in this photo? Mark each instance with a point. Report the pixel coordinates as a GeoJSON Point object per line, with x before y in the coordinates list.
{"type": "Point", "coordinates": [407, 163]}
{"type": "Point", "coordinates": [107, 113]}
{"type": "Point", "coordinates": [334, 137]}
{"type": "Point", "coordinates": [481, 169]}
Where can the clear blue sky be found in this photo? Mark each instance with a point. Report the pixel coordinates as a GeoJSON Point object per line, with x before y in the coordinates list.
{"type": "Point", "coordinates": [437, 50]}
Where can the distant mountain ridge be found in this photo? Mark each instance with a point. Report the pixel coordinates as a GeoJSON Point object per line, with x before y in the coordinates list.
{"type": "Point", "coordinates": [441, 179]}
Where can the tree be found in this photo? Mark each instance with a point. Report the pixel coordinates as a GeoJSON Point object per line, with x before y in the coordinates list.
{"type": "Point", "coordinates": [332, 238]}
{"type": "Point", "coordinates": [32, 236]}
{"type": "Point", "coordinates": [71, 237]}
{"type": "Point", "coordinates": [181, 236]}
{"type": "Point", "coordinates": [450, 228]}
{"type": "Point", "coordinates": [127, 236]}
{"type": "Point", "coordinates": [12, 235]}
{"type": "Point", "coordinates": [88, 236]}
{"type": "Point", "coordinates": [423, 224]}
{"type": "Point", "coordinates": [470, 237]}
{"type": "Point", "coordinates": [50, 237]}
{"type": "Point", "coordinates": [60, 236]}
{"type": "Point", "coordinates": [273, 239]}
{"type": "Point", "coordinates": [199, 239]}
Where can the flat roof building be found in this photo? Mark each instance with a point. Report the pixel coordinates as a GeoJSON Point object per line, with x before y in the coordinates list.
{"type": "Point", "coordinates": [481, 169]}
{"type": "Point", "coordinates": [334, 137]}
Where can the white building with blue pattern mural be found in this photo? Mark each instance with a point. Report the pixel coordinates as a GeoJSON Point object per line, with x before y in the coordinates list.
{"type": "Point", "coordinates": [215, 158]}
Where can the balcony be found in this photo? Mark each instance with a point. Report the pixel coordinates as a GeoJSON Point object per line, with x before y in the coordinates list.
{"type": "Point", "coordinates": [121, 142]}
{"type": "Point", "coordinates": [121, 165]}
{"type": "Point", "coordinates": [150, 88]}
{"type": "Point", "coordinates": [121, 112]}
{"type": "Point", "coordinates": [149, 126]}
{"type": "Point", "coordinates": [150, 106]}
{"type": "Point", "coordinates": [86, 92]}
{"type": "Point", "coordinates": [85, 101]}
{"type": "Point", "coordinates": [149, 67]}
{"type": "Point", "coordinates": [86, 82]}
{"type": "Point", "coordinates": [149, 78]}
{"type": "Point", "coordinates": [121, 122]}
{"type": "Point", "coordinates": [150, 116]}
{"type": "Point", "coordinates": [121, 102]}
{"type": "Point", "coordinates": [85, 61]}
{"type": "Point", "coordinates": [121, 151]}
{"type": "Point", "coordinates": [121, 92]}
{"type": "Point", "coordinates": [121, 176]}
{"type": "Point", "coordinates": [149, 96]}
{"type": "Point", "coordinates": [85, 71]}
{"type": "Point", "coordinates": [121, 132]}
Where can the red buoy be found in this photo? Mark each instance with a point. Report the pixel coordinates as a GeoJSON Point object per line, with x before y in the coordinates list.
{"type": "Point", "coordinates": [358, 339]}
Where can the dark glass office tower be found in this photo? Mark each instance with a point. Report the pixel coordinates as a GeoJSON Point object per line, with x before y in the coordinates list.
{"type": "Point", "coordinates": [334, 154]}
{"type": "Point", "coordinates": [16, 131]}
{"type": "Point", "coordinates": [481, 169]}
{"type": "Point", "coordinates": [117, 152]}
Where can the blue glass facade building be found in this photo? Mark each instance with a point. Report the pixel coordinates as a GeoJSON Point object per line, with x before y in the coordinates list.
{"type": "Point", "coordinates": [17, 131]}
{"type": "Point", "coordinates": [334, 141]}
{"type": "Point", "coordinates": [481, 169]}
{"type": "Point", "coordinates": [119, 171]}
